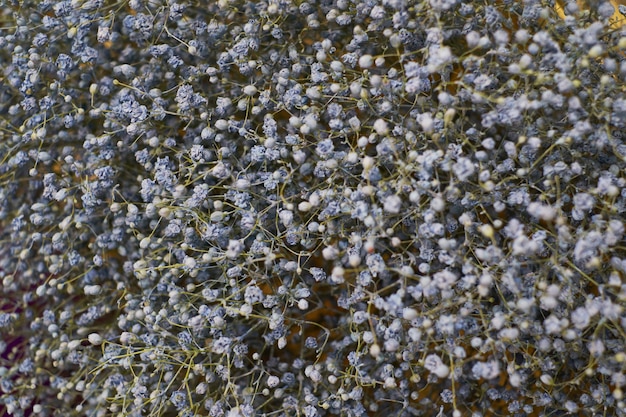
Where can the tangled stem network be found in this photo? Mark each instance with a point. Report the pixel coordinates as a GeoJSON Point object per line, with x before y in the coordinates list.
{"type": "Point", "coordinates": [312, 208]}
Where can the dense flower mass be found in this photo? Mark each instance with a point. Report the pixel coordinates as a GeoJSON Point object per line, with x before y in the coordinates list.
{"type": "Point", "coordinates": [312, 208]}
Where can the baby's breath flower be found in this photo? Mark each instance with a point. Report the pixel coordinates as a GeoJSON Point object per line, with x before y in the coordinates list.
{"type": "Point", "coordinates": [95, 339]}
{"type": "Point", "coordinates": [270, 227]}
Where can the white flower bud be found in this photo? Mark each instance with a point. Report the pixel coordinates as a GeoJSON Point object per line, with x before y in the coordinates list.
{"type": "Point", "coordinates": [304, 206]}
{"type": "Point", "coordinates": [92, 289]}
{"type": "Point", "coordinates": [250, 90]}
{"type": "Point", "coordinates": [366, 61]}
{"type": "Point", "coordinates": [547, 379]}
{"type": "Point", "coordinates": [381, 127]}
{"type": "Point", "coordinates": [409, 313]}
{"type": "Point", "coordinates": [189, 262]}
{"type": "Point", "coordinates": [95, 339]}
{"type": "Point", "coordinates": [368, 163]}
{"type": "Point", "coordinates": [375, 350]}
{"type": "Point", "coordinates": [273, 381]}
{"type": "Point", "coordinates": [144, 243]}
{"type": "Point", "coordinates": [126, 338]}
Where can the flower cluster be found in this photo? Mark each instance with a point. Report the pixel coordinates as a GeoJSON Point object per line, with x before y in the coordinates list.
{"type": "Point", "coordinates": [299, 208]}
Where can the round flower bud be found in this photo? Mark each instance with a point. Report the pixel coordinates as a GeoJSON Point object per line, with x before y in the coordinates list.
{"type": "Point", "coordinates": [250, 90]}
{"type": "Point", "coordinates": [409, 313]}
{"type": "Point", "coordinates": [304, 206]}
{"type": "Point", "coordinates": [375, 350]}
{"type": "Point", "coordinates": [368, 163]}
{"type": "Point", "coordinates": [95, 339]}
{"type": "Point", "coordinates": [366, 61]}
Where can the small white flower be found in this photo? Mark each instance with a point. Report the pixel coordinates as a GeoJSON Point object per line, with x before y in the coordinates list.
{"type": "Point", "coordinates": [381, 127]}
{"type": "Point", "coordinates": [426, 122]}
{"type": "Point", "coordinates": [95, 339]}
{"type": "Point", "coordinates": [437, 204]}
{"type": "Point", "coordinates": [547, 379]}
{"type": "Point", "coordinates": [409, 313]}
{"type": "Point", "coordinates": [375, 350]}
{"type": "Point", "coordinates": [126, 338]}
{"type": "Point", "coordinates": [392, 204]}
{"type": "Point", "coordinates": [286, 217]}
{"type": "Point", "coordinates": [366, 61]}
{"type": "Point", "coordinates": [354, 260]}
{"type": "Point", "coordinates": [272, 381]}
{"type": "Point", "coordinates": [305, 206]}
{"type": "Point", "coordinates": [487, 370]}
{"type": "Point", "coordinates": [234, 249]}
{"type": "Point", "coordinates": [391, 345]}
{"type": "Point", "coordinates": [584, 201]}
{"type": "Point", "coordinates": [541, 211]}
{"type": "Point", "coordinates": [463, 168]}
{"type": "Point", "coordinates": [368, 163]}
{"type": "Point", "coordinates": [330, 253]}
{"type": "Point", "coordinates": [445, 279]}
{"type": "Point", "coordinates": [92, 289]}
{"type": "Point", "coordinates": [390, 382]}
{"type": "Point", "coordinates": [245, 310]}
{"type": "Point", "coordinates": [434, 364]}
{"type": "Point", "coordinates": [581, 318]}
{"type": "Point", "coordinates": [509, 334]}
{"type": "Point", "coordinates": [189, 262]}
{"type": "Point", "coordinates": [242, 184]}
{"type": "Point", "coordinates": [250, 90]}
{"type": "Point", "coordinates": [337, 275]}
{"type": "Point", "coordinates": [552, 324]}
{"type": "Point", "coordinates": [472, 38]}
{"type": "Point", "coordinates": [596, 347]}
{"type": "Point", "coordinates": [312, 372]}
